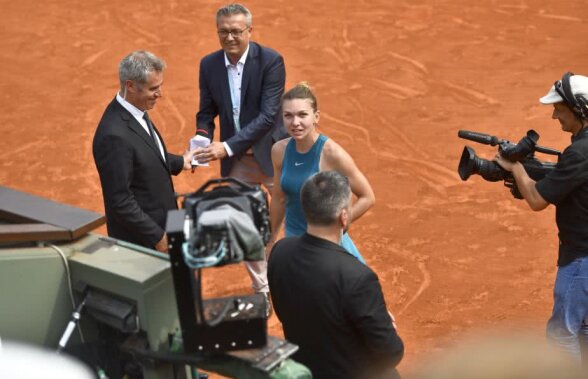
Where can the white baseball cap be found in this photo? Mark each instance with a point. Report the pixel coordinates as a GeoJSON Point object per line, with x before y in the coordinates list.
{"type": "Point", "coordinates": [578, 84]}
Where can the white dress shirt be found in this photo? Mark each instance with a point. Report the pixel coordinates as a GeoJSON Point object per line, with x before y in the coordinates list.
{"type": "Point", "coordinates": [138, 115]}
{"type": "Point", "coordinates": [235, 76]}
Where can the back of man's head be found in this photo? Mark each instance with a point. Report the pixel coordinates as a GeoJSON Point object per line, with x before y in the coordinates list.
{"type": "Point", "coordinates": [323, 196]}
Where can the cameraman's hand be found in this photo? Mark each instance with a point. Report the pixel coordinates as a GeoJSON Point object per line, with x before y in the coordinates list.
{"type": "Point", "coordinates": [504, 163]}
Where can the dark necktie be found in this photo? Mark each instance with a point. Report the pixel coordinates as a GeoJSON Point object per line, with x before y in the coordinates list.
{"type": "Point", "coordinates": [151, 129]}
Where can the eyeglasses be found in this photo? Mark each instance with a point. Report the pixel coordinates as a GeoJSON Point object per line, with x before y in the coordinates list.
{"type": "Point", "coordinates": [234, 33]}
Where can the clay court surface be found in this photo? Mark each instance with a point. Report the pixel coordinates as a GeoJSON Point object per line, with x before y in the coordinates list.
{"type": "Point", "coordinates": [395, 81]}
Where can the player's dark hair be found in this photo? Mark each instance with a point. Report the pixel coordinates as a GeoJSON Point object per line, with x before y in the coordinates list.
{"type": "Point", "coordinates": [301, 91]}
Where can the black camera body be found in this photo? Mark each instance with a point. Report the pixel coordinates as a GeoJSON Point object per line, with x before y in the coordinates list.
{"type": "Point", "coordinates": [523, 151]}
{"type": "Point", "coordinates": [225, 221]}
{"type": "Point", "coordinates": [212, 206]}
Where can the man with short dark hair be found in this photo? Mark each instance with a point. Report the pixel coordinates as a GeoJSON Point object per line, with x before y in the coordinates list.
{"type": "Point", "coordinates": [330, 304]}
{"type": "Point", "coordinates": [566, 187]}
{"type": "Point", "coordinates": [132, 159]}
{"type": "Point", "coordinates": [242, 84]}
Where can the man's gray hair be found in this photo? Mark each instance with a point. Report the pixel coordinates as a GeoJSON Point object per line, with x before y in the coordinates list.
{"type": "Point", "coordinates": [323, 196]}
{"type": "Point", "coordinates": [137, 66]}
{"type": "Point", "coordinates": [232, 9]}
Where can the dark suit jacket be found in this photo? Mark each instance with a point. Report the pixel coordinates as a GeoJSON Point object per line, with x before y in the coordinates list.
{"type": "Point", "coordinates": [332, 307]}
{"type": "Point", "coordinates": [262, 86]}
{"type": "Point", "coordinates": [136, 182]}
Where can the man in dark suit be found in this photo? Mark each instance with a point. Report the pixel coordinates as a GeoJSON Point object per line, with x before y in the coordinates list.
{"type": "Point", "coordinates": [330, 304]}
{"type": "Point", "coordinates": [242, 84]}
{"type": "Point", "coordinates": [131, 157]}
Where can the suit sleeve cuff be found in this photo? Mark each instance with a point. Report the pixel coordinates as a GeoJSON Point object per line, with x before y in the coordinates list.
{"type": "Point", "coordinates": [228, 149]}
{"type": "Point", "coordinates": [203, 133]}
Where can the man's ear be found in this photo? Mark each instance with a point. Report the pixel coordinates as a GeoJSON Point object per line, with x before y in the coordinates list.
{"type": "Point", "coordinates": [344, 217]}
{"type": "Point", "coordinates": [130, 86]}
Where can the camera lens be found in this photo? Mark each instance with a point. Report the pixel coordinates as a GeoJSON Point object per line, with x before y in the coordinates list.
{"type": "Point", "coordinates": [471, 164]}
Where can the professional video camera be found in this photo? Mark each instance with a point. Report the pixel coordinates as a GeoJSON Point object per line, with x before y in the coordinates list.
{"type": "Point", "coordinates": [226, 224]}
{"type": "Point", "coordinates": [225, 221]}
{"type": "Point", "coordinates": [491, 171]}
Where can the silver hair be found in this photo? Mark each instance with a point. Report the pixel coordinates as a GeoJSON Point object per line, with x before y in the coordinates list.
{"type": "Point", "coordinates": [232, 9]}
{"type": "Point", "coordinates": [137, 66]}
{"type": "Point", "coordinates": [323, 196]}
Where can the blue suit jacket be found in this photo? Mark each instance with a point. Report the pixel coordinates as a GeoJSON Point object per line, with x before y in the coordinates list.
{"type": "Point", "coordinates": [263, 82]}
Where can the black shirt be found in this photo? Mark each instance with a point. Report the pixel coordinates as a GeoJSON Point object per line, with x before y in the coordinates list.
{"type": "Point", "coordinates": [567, 188]}
{"type": "Point", "coordinates": [332, 307]}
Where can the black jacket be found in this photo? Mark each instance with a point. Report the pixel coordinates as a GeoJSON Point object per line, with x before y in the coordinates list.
{"type": "Point", "coordinates": [332, 307]}
{"type": "Point", "coordinates": [136, 182]}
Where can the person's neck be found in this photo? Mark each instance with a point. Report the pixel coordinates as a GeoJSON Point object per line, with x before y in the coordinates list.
{"type": "Point", "coordinates": [131, 101]}
{"type": "Point", "coordinates": [329, 233]}
{"type": "Point", "coordinates": [234, 59]}
{"type": "Point", "coordinates": [302, 146]}
{"type": "Point", "coordinates": [581, 130]}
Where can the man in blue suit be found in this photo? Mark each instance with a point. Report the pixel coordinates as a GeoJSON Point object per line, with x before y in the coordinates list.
{"type": "Point", "coordinates": [242, 84]}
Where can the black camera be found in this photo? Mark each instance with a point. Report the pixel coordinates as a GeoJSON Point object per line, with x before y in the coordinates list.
{"type": "Point", "coordinates": [225, 221]}
{"type": "Point", "coordinates": [228, 221]}
{"type": "Point", "coordinates": [491, 171]}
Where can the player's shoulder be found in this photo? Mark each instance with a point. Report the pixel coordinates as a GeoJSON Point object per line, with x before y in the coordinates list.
{"type": "Point", "coordinates": [281, 144]}
{"type": "Point", "coordinates": [333, 152]}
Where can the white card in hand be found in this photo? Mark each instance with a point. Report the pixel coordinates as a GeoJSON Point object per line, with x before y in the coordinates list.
{"type": "Point", "coordinates": [196, 142]}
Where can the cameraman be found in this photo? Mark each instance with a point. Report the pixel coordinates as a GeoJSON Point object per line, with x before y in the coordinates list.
{"type": "Point", "coordinates": [567, 188]}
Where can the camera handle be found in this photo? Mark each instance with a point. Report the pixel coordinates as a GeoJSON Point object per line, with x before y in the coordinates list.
{"type": "Point", "coordinates": [216, 182]}
{"type": "Point", "coordinates": [487, 139]}
{"type": "Point", "coordinates": [514, 189]}
{"type": "Point", "coordinates": [547, 150]}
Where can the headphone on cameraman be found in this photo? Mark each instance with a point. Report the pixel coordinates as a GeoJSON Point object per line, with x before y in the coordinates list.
{"type": "Point", "coordinates": [577, 103]}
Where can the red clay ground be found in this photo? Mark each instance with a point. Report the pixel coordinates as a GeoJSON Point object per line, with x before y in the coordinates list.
{"type": "Point", "coordinates": [396, 80]}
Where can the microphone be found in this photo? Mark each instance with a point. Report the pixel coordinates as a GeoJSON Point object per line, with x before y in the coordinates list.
{"type": "Point", "coordinates": [482, 138]}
